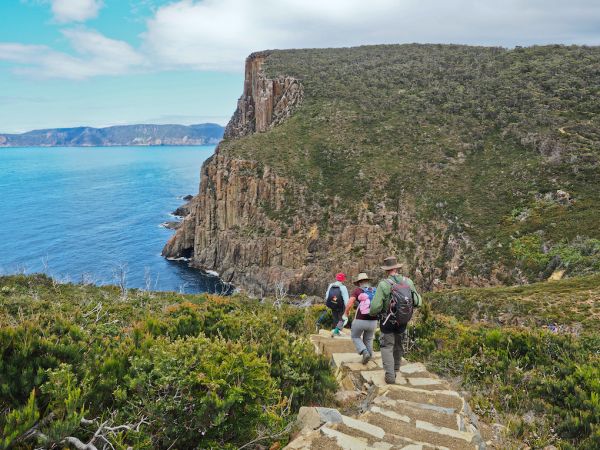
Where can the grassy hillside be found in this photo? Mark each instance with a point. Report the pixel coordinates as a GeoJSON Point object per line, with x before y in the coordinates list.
{"type": "Point", "coordinates": [500, 144]}
{"type": "Point", "coordinates": [153, 370]}
{"type": "Point", "coordinates": [572, 305]}
{"type": "Point", "coordinates": [541, 382]}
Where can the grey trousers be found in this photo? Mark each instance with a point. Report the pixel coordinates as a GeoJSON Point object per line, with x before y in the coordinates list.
{"type": "Point", "coordinates": [391, 352]}
{"type": "Point", "coordinates": [362, 334]}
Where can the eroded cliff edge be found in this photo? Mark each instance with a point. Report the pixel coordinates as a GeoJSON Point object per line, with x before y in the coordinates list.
{"type": "Point", "coordinates": [335, 159]}
{"type": "Point", "coordinates": [259, 230]}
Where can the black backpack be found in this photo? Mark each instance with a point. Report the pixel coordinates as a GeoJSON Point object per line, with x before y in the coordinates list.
{"type": "Point", "coordinates": [335, 301]}
{"type": "Point", "coordinates": [400, 308]}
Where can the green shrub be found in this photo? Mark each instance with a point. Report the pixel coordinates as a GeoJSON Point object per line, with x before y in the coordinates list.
{"type": "Point", "coordinates": [517, 371]}
{"type": "Point", "coordinates": [203, 393]}
{"type": "Point", "coordinates": [196, 370]}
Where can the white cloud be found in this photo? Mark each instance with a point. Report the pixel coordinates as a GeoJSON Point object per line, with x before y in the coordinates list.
{"type": "Point", "coordinates": [95, 55]}
{"type": "Point", "coordinates": [218, 34]}
{"type": "Point", "coordinates": [75, 10]}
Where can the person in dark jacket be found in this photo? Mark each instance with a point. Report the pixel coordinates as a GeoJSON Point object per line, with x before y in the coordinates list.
{"type": "Point", "coordinates": [336, 299]}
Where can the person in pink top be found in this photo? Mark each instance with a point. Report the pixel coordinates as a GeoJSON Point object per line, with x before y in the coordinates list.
{"type": "Point", "coordinates": [363, 325]}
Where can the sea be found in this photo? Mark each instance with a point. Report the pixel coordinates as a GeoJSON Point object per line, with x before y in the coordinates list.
{"type": "Point", "coordinates": [94, 214]}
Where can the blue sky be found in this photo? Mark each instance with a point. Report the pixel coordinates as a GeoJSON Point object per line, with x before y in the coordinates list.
{"type": "Point", "coordinates": [33, 97]}
{"type": "Point", "coordinates": [103, 62]}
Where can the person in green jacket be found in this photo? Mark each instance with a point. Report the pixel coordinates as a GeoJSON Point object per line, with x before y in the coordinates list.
{"type": "Point", "coordinates": [391, 334]}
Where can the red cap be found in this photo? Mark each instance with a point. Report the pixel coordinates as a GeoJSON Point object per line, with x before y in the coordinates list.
{"type": "Point", "coordinates": [340, 276]}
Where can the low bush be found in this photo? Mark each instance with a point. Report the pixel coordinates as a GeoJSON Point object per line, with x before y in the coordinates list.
{"type": "Point", "coordinates": [152, 371]}
{"type": "Point", "coordinates": [544, 385]}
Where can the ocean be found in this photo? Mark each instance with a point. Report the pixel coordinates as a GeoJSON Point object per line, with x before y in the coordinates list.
{"type": "Point", "coordinates": [90, 214]}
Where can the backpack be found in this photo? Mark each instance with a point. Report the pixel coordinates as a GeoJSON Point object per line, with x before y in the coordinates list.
{"type": "Point", "coordinates": [365, 306]}
{"type": "Point", "coordinates": [335, 301]}
{"type": "Point", "coordinates": [400, 308]}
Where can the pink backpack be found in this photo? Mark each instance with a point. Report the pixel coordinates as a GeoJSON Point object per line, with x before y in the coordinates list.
{"type": "Point", "coordinates": [365, 303]}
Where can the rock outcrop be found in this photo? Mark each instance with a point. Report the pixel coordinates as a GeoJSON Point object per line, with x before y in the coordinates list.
{"type": "Point", "coordinates": [240, 226]}
{"type": "Point", "coordinates": [262, 231]}
{"type": "Point", "coordinates": [265, 102]}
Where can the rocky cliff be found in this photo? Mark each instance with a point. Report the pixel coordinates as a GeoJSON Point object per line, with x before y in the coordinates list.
{"type": "Point", "coordinates": [265, 102]}
{"type": "Point", "coordinates": [336, 158]}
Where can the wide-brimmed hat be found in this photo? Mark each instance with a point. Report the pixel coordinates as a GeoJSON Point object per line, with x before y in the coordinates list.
{"type": "Point", "coordinates": [390, 263]}
{"type": "Point", "coordinates": [361, 277]}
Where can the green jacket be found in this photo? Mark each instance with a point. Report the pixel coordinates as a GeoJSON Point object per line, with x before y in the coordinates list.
{"type": "Point", "coordinates": [382, 296]}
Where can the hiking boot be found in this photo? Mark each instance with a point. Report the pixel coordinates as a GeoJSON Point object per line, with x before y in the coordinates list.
{"type": "Point", "coordinates": [366, 356]}
{"type": "Point", "coordinates": [335, 332]}
{"type": "Point", "coordinates": [390, 379]}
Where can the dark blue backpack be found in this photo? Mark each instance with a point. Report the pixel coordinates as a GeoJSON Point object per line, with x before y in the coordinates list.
{"type": "Point", "coordinates": [335, 301]}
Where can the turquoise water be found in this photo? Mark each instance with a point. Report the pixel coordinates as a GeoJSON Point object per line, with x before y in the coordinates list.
{"type": "Point", "coordinates": [79, 214]}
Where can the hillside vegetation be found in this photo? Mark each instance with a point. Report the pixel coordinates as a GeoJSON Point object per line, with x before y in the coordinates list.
{"type": "Point", "coordinates": [83, 364]}
{"type": "Point", "coordinates": [501, 145]}
{"type": "Point", "coordinates": [529, 356]}
{"type": "Point", "coordinates": [571, 305]}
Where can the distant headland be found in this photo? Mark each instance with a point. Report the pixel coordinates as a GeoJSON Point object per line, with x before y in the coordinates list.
{"type": "Point", "coordinates": [143, 135]}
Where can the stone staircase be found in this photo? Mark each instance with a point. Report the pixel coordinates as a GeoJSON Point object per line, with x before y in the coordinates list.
{"type": "Point", "coordinates": [419, 412]}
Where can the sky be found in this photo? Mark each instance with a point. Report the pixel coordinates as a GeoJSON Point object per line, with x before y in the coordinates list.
{"type": "Point", "coordinates": [67, 63]}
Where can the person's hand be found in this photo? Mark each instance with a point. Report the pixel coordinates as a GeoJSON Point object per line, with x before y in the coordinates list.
{"type": "Point", "coordinates": [345, 319]}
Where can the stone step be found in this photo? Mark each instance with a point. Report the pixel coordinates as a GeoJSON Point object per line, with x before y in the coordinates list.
{"type": "Point", "coordinates": [413, 369]}
{"type": "Point", "coordinates": [313, 440]}
{"type": "Point", "coordinates": [377, 377]}
{"type": "Point", "coordinates": [348, 439]}
{"type": "Point", "coordinates": [437, 415]}
{"type": "Point", "coordinates": [345, 441]}
{"type": "Point", "coordinates": [419, 430]}
{"type": "Point", "coordinates": [440, 398]}
{"type": "Point", "coordinates": [326, 345]}
{"type": "Point", "coordinates": [363, 427]}
{"type": "Point", "coordinates": [429, 383]}
{"type": "Point", "coordinates": [353, 361]}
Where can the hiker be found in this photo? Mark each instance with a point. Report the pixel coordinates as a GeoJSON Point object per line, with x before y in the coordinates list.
{"type": "Point", "coordinates": [363, 325]}
{"type": "Point", "coordinates": [336, 299]}
{"type": "Point", "coordinates": [394, 301]}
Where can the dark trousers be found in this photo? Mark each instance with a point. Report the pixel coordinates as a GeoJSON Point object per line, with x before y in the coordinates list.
{"type": "Point", "coordinates": [337, 319]}
{"type": "Point", "coordinates": [391, 352]}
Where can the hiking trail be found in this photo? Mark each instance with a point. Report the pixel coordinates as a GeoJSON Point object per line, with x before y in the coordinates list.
{"type": "Point", "coordinates": [419, 412]}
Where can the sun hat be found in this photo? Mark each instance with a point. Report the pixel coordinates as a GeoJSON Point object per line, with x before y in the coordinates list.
{"type": "Point", "coordinates": [340, 276]}
{"type": "Point", "coordinates": [361, 277]}
{"type": "Point", "coordinates": [390, 263]}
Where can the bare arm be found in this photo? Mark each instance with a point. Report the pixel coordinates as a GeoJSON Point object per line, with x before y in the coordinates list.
{"type": "Point", "coordinates": [349, 306]}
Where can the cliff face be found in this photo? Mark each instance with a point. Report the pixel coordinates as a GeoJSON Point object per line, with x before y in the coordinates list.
{"type": "Point", "coordinates": [233, 228]}
{"type": "Point", "coordinates": [265, 102]}
{"type": "Point", "coordinates": [337, 158]}
{"type": "Point", "coordinates": [259, 231]}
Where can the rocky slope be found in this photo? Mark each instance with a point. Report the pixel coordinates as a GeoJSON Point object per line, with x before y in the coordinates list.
{"type": "Point", "coordinates": [202, 134]}
{"type": "Point", "coordinates": [448, 156]}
